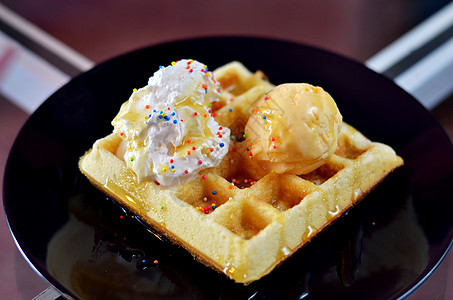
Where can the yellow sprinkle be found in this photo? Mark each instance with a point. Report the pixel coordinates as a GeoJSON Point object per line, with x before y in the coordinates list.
{"type": "Point", "coordinates": [134, 90]}
{"type": "Point", "coordinates": [173, 63]}
{"type": "Point", "coordinates": [164, 169]}
{"type": "Point", "coordinates": [164, 114]}
{"type": "Point", "coordinates": [173, 170]}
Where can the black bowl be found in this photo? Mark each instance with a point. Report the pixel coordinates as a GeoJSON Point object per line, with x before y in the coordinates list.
{"type": "Point", "coordinates": [89, 247]}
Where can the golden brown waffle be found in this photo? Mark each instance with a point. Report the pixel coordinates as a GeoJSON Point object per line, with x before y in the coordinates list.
{"type": "Point", "coordinates": [236, 218]}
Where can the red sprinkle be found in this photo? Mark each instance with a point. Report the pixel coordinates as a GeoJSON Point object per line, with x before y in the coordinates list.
{"type": "Point", "coordinates": [186, 171]}
{"type": "Point", "coordinates": [200, 162]}
{"type": "Point", "coordinates": [204, 176]}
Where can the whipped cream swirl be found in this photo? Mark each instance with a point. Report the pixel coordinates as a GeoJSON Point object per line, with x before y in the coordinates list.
{"type": "Point", "coordinates": [167, 126]}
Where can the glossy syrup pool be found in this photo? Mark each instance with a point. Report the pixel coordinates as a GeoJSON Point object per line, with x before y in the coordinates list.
{"type": "Point", "coordinates": [118, 256]}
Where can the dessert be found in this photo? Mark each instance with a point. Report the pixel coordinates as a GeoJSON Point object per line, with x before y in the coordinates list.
{"type": "Point", "coordinates": [167, 129]}
{"type": "Point", "coordinates": [252, 208]}
{"type": "Point", "coordinates": [294, 128]}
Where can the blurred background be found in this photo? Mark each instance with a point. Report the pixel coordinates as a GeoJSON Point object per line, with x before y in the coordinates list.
{"type": "Point", "coordinates": [68, 37]}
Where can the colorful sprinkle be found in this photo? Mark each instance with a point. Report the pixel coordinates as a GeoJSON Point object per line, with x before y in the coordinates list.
{"type": "Point", "coordinates": [214, 192]}
{"type": "Point", "coordinates": [222, 145]}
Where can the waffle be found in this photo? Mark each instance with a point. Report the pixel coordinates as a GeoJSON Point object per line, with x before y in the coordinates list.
{"type": "Point", "coordinates": [237, 218]}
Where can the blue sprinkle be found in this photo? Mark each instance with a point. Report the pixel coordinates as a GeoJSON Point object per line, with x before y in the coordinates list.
{"type": "Point", "coordinates": [172, 166]}
{"type": "Point", "coordinates": [154, 111]}
{"type": "Point", "coordinates": [167, 118]}
{"type": "Point", "coordinates": [214, 192]}
{"type": "Point", "coordinates": [231, 109]}
{"type": "Point", "coordinates": [174, 121]}
{"type": "Point", "coordinates": [161, 67]}
{"type": "Point", "coordinates": [173, 113]}
{"type": "Point", "coordinates": [221, 145]}
{"type": "Point", "coordinates": [264, 117]}
{"type": "Point", "coordinates": [160, 117]}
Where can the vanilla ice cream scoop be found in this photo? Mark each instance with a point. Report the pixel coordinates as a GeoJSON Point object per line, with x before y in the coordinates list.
{"type": "Point", "coordinates": [294, 129]}
{"type": "Point", "coordinates": [167, 129]}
